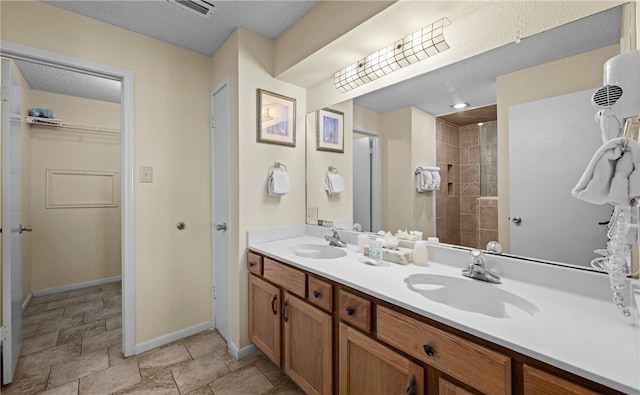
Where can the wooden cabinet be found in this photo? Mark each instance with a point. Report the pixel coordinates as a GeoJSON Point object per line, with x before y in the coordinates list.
{"type": "Point", "coordinates": [381, 348]}
{"type": "Point", "coordinates": [538, 382]}
{"type": "Point", "coordinates": [446, 387]}
{"type": "Point", "coordinates": [264, 317]}
{"type": "Point", "coordinates": [477, 366]}
{"type": "Point", "coordinates": [307, 345]}
{"type": "Point", "coordinates": [367, 367]}
{"type": "Point", "coordinates": [254, 261]}
{"type": "Point", "coordinates": [320, 293]}
{"type": "Point", "coordinates": [354, 310]}
{"type": "Point", "coordinates": [303, 347]}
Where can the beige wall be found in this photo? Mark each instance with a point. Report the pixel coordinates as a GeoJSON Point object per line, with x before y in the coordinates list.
{"type": "Point", "coordinates": [73, 245]}
{"type": "Point", "coordinates": [366, 119]}
{"type": "Point", "coordinates": [171, 133]}
{"type": "Point", "coordinates": [551, 79]}
{"type": "Point", "coordinates": [408, 141]}
{"type": "Point", "coordinates": [338, 207]}
{"type": "Point", "coordinates": [255, 208]}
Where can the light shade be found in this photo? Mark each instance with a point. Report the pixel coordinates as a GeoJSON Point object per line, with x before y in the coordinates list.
{"type": "Point", "coordinates": [413, 48]}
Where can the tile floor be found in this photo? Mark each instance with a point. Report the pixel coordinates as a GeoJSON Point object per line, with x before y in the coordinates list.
{"type": "Point", "coordinates": [72, 345]}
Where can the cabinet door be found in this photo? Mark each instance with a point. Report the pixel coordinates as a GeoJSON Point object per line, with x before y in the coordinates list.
{"type": "Point", "coordinates": [537, 382]}
{"type": "Point", "coordinates": [264, 317]}
{"type": "Point", "coordinates": [446, 387]}
{"type": "Point", "coordinates": [307, 345]}
{"type": "Point", "coordinates": [367, 367]}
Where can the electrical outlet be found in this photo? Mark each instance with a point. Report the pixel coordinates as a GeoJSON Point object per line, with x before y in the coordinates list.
{"type": "Point", "coordinates": [312, 215]}
{"type": "Point", "coordinates": [146, 174]}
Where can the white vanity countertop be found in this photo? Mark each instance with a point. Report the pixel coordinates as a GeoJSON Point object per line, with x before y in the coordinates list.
{"type": "Point", "coordinates": [584, 335]}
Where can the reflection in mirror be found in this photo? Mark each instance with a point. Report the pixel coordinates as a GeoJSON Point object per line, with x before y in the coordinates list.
{"type": "Point", "coordinates": [417, 127]}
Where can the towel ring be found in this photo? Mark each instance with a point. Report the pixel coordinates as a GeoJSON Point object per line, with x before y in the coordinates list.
{"type": "Point", "coordinates": [279, 165]}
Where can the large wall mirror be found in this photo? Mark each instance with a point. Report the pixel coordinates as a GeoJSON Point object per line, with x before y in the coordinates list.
{"type": "Point", "coordinates": [517, 151]}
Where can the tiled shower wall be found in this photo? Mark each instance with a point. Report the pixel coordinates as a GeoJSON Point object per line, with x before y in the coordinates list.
{"type": "Point", "coordinates": [466, 155]}
{"type": "Point", "coordinates": [448, 197]}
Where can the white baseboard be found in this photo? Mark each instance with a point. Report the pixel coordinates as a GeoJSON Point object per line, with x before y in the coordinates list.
{"type": "Point", "coordinates": [72, 287]}
{"type": "Point", "coordinates": [243, 352]}
{"type": "Point", "coordinates": [171, 337]}
{"type": "Point", "coordinates": [26, 303]}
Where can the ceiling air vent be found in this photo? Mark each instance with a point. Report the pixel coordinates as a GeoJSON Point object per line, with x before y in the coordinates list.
{"type": "Point", "coordinates": [199, 7]}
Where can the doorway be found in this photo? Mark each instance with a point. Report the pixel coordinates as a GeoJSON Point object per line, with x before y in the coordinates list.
{"type": "Point", "coordinates": [367, 190]}
{"type": "Point", "coordinates": [18, 52]}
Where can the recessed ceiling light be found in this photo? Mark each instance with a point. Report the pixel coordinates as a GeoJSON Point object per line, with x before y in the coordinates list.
{"type": "Point", "coordinates": [458, 106]}
{"type": "Point", "coordinates": [480, 123]}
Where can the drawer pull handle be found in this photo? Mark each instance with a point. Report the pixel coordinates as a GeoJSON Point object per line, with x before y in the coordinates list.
{"type": "Point", "coordinates": [350, 311]}
{"type": "Point", "coordinates": [252, 264]}
{"type": "Point", "coordinates": [411, 389]}
{"type": "Point", "coordinates": [284, 311]}
{"type": "Point", "coordinates": [429, 350]}
{"type": "Point", "coordinates": [316, 294]}
{"type": "Point", "coordinates": [273, 304]}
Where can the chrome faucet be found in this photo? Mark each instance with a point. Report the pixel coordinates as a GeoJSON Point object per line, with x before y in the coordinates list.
{"type": "Point", "coordinates": [334, 239]}
{"type": "Point", "coordinates": [477, 269]}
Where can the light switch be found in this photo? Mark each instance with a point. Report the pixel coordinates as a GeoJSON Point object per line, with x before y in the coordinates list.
{"type": "Point", "coordinates": [146, 173]}
{"type": "Point", "coordinates": [312, 215]}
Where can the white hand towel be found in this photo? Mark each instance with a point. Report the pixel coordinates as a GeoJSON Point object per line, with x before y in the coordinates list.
{"type": "Point", "coordinates": [278, 183]}
{"type": "Point", "coordinates": [435, 174]}
{"type": "Point", "coordinates": [334, 183]}
{"type": "Point", "coordinates": [613, 175]}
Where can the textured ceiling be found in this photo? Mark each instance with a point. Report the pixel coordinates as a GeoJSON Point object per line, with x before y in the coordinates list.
{"type": "Point", "coordinates": [72, 83]}
{"type": "Point", "coordinates": [474, 80]}
{"type": "Point", "coordinates": [167, 22]}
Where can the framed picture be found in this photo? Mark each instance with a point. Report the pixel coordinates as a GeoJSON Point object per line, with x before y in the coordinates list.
{"type": "Point", "coordinates": [276, 119]}
{"type": "Point", "coordinates": [330, 130]}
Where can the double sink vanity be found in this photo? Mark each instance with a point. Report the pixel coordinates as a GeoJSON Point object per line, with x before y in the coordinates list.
{"type": "Point", "coordinates": [336, 324]}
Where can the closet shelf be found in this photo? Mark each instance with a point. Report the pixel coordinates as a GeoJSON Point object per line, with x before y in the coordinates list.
{"type": "Point", "coordinates": [71, 125]}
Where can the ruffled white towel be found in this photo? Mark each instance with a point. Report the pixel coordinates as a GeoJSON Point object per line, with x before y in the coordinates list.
{"type": "Point", "coordinates": [427, 178]}
{"type": "Point", "coordinates": [613, 175]}
{"type": "Point", "coordinates": [278, 183]}
{"type": "Point", "coordinates": [334, 183]}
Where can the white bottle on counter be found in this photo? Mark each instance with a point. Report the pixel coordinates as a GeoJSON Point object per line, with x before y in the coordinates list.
{"type": "Point", "coordinates": [420, 253]}
{"type": "Point", "coordinates": [379, 244]}
{"type": "Point", "coordinates": [372, 250]}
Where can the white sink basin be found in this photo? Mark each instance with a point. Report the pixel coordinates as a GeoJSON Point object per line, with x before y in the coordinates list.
{"type": "Point", "coordinates": [470, 295]}
{"type": "Point", "coordinates": [318, 251]}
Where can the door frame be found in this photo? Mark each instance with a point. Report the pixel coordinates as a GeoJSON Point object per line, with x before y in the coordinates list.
{"type": "Point", "coordinates": [22, 52]}
{"type": "Point", "coordinates": [217, 297]}
{"type": "Point", "coordinates": [376, 177]}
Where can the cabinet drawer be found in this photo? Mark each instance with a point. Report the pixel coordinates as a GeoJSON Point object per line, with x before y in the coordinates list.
{"type": "Point", "coordinates": [354, 310]}
{"type": "Point", "coordinates": [284, 276]}
{"type": "Point", "coordinates": [320, 293]}
{"type": "Point", "coordinates": [537, 382]}
{"type": "Point", "coordinates": [477, 366]}
{"type": "Point", "coordinates": [254, 262]}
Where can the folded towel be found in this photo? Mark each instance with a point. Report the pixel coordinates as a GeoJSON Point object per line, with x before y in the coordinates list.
{"type": "Point", "coordinates": [613, 174]}
{"type": "Point", "coordinates": [427, 178]}
{"type": "Point", "coordinates": [334, 183]}
{"type": "Point", "coordinates": [278, 183]}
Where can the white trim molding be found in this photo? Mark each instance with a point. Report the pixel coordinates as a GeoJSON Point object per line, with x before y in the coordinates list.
{"type": "Point", "coordinates": [171, 337]}
{"type": "Point", "coordinates": [40, 56]}
{"type": "Point", "coordinates": [242, 352]}
{"type": "Point", "coordinates": [52, 199]}
{"type": "Point", "coordinates": [26, 303]}
{"type": "Point", "coordinates": [74, 286]}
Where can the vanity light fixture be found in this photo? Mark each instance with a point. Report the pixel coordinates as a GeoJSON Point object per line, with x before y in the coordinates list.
{"type": "Point", "coordinates": [458, 106]}
{"type": "Point", "coordinates": [413, 48]}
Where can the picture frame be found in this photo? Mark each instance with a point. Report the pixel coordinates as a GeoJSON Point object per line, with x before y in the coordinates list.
{"type": "Point", "coordinates": [330, 130]}
{"type": "Point", "coordinates": [276, 118]}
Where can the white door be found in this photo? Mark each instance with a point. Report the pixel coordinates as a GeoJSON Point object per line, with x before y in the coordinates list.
{"type": "Point", "coordinates": [362, 181]}
{"type": "Point", "coordinates": [11, 222]}
{"type": "Point", "coordinates": [221, 185]}
{"type": "Point", "coordinates": [551, 142]}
